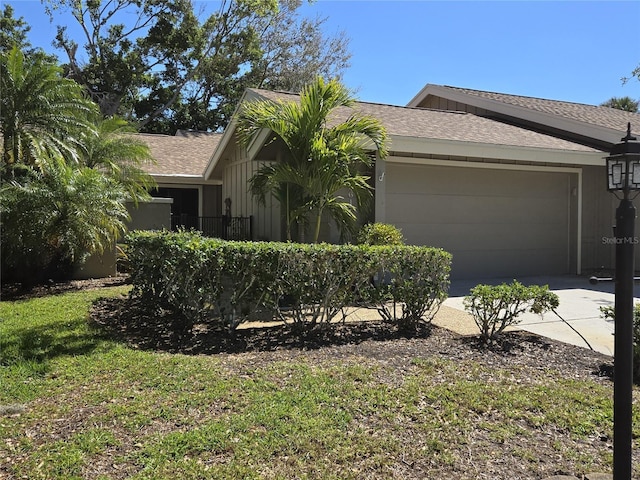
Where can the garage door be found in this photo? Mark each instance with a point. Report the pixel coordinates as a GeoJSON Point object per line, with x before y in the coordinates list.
{"type": "Point", "coordinates": [497, 223]}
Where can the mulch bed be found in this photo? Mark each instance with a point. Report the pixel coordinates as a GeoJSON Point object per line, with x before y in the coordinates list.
{"type": "Point", "coordinates": [126, 320]}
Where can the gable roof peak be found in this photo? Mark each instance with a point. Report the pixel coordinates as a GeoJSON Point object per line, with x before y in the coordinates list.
{"type": "Point", "coordinates": [596, 124]}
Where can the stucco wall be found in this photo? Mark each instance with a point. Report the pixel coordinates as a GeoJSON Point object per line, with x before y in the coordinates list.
{"type": "Point", "coordinates": [97, 266]}
{"type": "Point", "coordinates": [153, 215]}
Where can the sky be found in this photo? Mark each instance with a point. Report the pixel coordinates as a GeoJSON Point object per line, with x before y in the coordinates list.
{"type": "Point", "coordinates": [575, 51]}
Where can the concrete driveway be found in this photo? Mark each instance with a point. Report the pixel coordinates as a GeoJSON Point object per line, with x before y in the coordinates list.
{"type": "Point", "coordinates": [580, 304]}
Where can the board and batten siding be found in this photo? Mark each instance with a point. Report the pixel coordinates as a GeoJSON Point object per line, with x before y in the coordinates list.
{"type": "Point", "coordinates": [235, 185]}
{"type": "Point", "coordinates": [598, 222]}
{"type": "Point", "coordinates": [440, 103]}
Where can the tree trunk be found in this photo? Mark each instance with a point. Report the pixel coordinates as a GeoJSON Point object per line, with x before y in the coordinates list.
{"type": "Point", "coordinates": [316, 235]}
{"type": "Point", "coordinates": [288, 216]}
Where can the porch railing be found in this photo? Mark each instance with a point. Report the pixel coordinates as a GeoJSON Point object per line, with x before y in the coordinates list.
{"type": "Point", "coordinates": [228, 228]}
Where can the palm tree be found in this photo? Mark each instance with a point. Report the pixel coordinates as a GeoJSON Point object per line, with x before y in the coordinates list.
{"type": "Point", "coordinates": [69, 173]}
{"type": "Point", "coordinates": [282, 181]}
{"type": "Point", "coordinates": [44, 117]}
{"type": "Point", "coordinates": [55, 219]}
{"type": "Point", "coordinates": [335, 170]}
{"type": "Point", "coordinates": [322, 160]}
{"type": "Point", "coordinates": [117, 153]}
{"type": "Point", "coordinates": [627, 104]}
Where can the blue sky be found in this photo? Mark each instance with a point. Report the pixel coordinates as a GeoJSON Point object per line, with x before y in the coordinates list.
{"type": "Point", "coordinates": [570, 50]}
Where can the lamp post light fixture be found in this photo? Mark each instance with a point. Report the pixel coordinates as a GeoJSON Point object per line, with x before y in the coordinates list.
{"type": "Point", "coordinates": [623, 165]}
{"type": "Point", "coordinates": [623, 175]}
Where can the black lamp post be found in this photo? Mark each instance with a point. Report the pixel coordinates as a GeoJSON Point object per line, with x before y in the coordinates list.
{"type": "Point", "coordinates": [623, 175]}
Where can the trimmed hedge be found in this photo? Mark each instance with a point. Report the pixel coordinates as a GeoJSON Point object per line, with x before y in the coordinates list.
{"type": "Point", "coordinates": [226, 283]}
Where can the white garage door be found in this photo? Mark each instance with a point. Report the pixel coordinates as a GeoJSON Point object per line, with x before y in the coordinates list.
{"type": "Point", "coordinates": [496, 223]}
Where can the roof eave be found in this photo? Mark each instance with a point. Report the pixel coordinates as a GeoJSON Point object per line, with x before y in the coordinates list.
{"type": "Point", "coordinates": [585, 129]}
{"type": "Point", "coordinates": [420, 96]}
{"type": "Point", "coordinates": [183, 179]}
{"type": "Point", "coordinates": [228, 134]}
{"type": "Point", "coordinates": [495, 152]}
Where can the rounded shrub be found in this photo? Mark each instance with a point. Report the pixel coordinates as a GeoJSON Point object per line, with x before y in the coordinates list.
{"type": "Point", "coordinates": [380, 234]}
{"type": "Point", "coordinates": [496, 307]}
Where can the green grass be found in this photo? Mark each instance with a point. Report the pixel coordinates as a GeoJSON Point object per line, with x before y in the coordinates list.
{"type": "Point", "coordinates": [94, 408]}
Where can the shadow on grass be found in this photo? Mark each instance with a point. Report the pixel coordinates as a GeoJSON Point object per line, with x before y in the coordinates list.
{"type": "Point", "coordinates": [42, 344]}
{"type": "Point", "coordinates": [125, 320]}
{"type": "Point", "coordinates": [45, 326]}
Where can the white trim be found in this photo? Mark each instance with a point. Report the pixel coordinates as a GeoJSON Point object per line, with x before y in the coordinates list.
{"type": "Point", "coordinates": [570, 220]}
{"type": "Point", "coordinates": [177, 175]}
{"type": "Point", "coordinates": [494, 166]}
{"type": "Point", "coordinates": [166, 178]}
{"type": "Point", "coordinates": [257, 142]}
{"type": "Point", "coordinates": [222, 145]}
{"type": "Point", "coordinates": [179, 185]}
{"type": "Point", "coordinates": [579, 226]}
{"type": "Point", "coordinates": [380, 191]}
{"type": "Point", "coordinates": [159, 200]}
{"type": "Point", "coordinates": [421, 95]}
{"type": "Point", "coordinates": [510, 166]}
{"type": "Point", "coordinates": [492, 151]}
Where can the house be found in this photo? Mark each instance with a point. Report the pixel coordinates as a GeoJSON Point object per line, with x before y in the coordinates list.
{"type": "Point", "coordinates": [182, 194]}
{"type": "Point", "coordinates": [510, 185]}
{"type": "Point", "coordinates": [181, 161]}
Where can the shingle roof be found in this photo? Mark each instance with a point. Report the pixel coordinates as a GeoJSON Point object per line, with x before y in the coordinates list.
{"type": "Point", "coordinates": [595, 115]}
{"type": "Point", "coordinates": [445, 125]}
{"type": "Point", "coordinates": [186, 153]}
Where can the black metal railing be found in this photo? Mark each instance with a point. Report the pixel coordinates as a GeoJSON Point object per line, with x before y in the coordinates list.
{"type": "Point", "coordinates": [228, 228]}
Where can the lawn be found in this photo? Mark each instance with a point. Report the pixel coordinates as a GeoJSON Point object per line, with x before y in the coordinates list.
{"type": "Point", "coordinates": [76, 403]}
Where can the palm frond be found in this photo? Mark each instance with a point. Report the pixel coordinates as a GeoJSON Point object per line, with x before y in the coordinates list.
{"type": "Point", "coordinates": [321, 161]}
{"type": "Point", "coordinates": [43, 115]}
{"type": "Point", "coordinates": [121, 156]}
